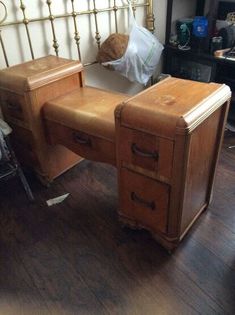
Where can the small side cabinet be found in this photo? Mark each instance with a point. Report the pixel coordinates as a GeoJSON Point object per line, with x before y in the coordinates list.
{"type": "Point", "coordinates": [24, 89]}
{"type": "Point", "coordinates": [168, 142]}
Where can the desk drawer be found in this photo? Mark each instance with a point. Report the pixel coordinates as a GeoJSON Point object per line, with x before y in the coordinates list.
{"type": "Point", "coordinates": [146, 151]}
{"type": "Point", "coordinates": [143, 200]}
{"type": "Point", "coordinates": [13, 106]}
{"type": "Point", "coordinates": [81, 143]}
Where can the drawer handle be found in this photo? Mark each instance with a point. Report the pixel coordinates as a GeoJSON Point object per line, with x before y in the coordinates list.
{"type": "Point", "coordinates": [148, 204]}
{"type": "Point", "coordinates": [13, 106]}
{"type": "Point", "coordinates": [154, 155]}
{"type": "Point", "coordinates": [79, 139]}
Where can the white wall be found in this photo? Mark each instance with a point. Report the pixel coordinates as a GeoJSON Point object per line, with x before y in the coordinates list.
{"type": "Point", "coordinates": [18, 49]}
{"type": "Point", "coordinates": [183, 8]}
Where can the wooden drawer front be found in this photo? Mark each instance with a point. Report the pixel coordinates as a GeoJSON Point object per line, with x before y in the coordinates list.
{"type": "Point", "coordinates": [144, 200]}
{"type": "Point", "coordinates": [13, 106]}
{"type": "Point", "coordinates": [146, 151]}
{"type": "Point", "coordinates": [83, 144]}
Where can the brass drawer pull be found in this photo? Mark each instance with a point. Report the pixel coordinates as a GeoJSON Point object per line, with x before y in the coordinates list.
{"type": "Point", "coordinates": [154, 155]}
{"type": "Point", "coordinates": [148, 204]}
{"type": "Point", "coordinates": [79, 139]}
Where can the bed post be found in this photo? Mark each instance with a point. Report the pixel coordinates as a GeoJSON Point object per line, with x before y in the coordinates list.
{"type": "Point", "coordinates": [150, 17]}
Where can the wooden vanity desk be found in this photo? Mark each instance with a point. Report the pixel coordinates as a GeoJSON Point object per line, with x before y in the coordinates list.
{"type": "Point", "coordinates": [165, 141]}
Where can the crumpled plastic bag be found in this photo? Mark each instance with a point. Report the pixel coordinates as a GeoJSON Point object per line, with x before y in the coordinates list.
{"type": "Point", "coordinates": [142, 54]}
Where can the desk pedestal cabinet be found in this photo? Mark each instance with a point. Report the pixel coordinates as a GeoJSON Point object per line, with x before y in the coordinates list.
{"type": "Point", "coordinates": [168, 141]}
{"type": "Point", "coordinates": [24, 89]}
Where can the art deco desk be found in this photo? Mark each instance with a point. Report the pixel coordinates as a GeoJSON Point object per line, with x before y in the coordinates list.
{"type": "Point", "coordinates": [165, 141]}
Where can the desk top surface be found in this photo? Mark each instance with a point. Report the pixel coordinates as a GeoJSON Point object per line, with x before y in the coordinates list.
{"type": "Point", "coordinates": [35, 73]}
{"type": "Point", "coordinates": [174, 103]}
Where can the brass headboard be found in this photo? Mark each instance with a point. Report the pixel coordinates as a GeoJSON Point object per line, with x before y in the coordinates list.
{"type": "Point", "coordinates": [72, 15]}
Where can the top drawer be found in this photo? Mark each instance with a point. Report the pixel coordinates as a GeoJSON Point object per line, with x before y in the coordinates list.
{"type": "Point", "coordinates": [13, 107]}
{"type": "Point", "coordinates": [146, 151]}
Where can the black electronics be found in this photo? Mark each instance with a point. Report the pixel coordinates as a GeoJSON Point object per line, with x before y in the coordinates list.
{"type": "Point", "coordinates": [192, 68]}
{"type": "Point", "coordinates": [228, 35]}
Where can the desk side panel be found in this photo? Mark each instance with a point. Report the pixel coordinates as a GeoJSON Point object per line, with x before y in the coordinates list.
{"type": "Point", "coordinates": [203, 150]}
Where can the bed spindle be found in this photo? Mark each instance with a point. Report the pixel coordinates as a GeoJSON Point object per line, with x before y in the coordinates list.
{"type": "Point", "coordinates": [150, 17]}
{"type": "Point", "coordinates": [26, 22]}
{"type": "Point", "coordinates": [97, 34]}
{"type": "Point", "coordinates": [115, 8]}
{"type": "Point", "coordinates": [51, 18]}
{"type": "Point", "coordinates": [76, 32]}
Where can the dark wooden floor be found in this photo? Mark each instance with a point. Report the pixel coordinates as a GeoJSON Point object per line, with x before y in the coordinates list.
{"type": "Point", "coordinates": [74, 258]}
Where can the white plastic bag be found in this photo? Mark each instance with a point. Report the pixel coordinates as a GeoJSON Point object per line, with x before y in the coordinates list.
{"type": "Point", "coordinates": [142, 54]}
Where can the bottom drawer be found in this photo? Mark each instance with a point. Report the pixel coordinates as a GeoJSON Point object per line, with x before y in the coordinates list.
{"type": "Point", "coordinates": [143, 200]}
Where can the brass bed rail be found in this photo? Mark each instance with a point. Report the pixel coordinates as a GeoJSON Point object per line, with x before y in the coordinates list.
{"type": "Point", "coordinates": [73, 15]}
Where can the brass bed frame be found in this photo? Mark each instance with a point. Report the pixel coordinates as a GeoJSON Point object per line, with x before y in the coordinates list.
{"type": "Point", "coordinates": [112, 9]}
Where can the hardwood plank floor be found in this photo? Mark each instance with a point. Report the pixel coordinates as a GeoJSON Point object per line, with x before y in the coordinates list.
{"type": "Point", "coordinates": [75, 258]}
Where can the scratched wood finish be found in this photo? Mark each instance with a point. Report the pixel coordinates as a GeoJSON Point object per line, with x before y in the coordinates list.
{"type": "Point", "coordinates": [75, 258]}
